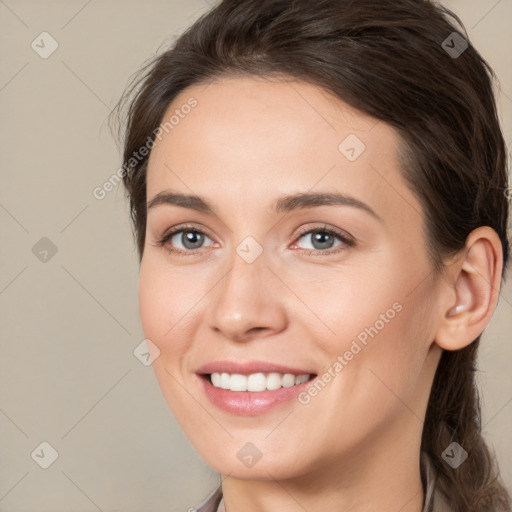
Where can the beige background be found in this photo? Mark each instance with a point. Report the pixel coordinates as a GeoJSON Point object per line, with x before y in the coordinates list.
{"type": "Point", "coordinates": [68, 375]}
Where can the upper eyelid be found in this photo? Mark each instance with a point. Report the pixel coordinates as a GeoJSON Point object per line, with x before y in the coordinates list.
{"type": "Point", "coordinates": [324, 227]}
{"type": "Point", "coordinates": [177, 229]}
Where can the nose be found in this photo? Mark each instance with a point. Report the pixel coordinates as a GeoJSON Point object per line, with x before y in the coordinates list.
{"type": "Point", "coordinates": [248, 302]}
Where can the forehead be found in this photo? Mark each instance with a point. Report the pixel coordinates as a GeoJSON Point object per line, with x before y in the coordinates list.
{"type": "Point", "coordinates": [248, 138]}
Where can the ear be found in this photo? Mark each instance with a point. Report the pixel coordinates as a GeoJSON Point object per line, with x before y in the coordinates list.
{"type": "Point", "coordinates": [472, 295]}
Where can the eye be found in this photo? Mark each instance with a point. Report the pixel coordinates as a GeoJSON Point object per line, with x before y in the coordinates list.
{"type": "Point", "coordinates": [189, 237]}
{"type": "Point", "coordinates": [323, 239]}
{"type": "Point", "coordinates": [188, 240]}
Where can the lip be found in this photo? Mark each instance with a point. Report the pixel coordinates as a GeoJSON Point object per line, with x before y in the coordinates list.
{"type": "Point", "coordinates": [250, 403]}
{"type": "Point", "coordinates": [248, 367]}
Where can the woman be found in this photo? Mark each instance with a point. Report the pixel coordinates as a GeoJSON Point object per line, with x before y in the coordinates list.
{"type": "Point", "coordinates": [318, 191]}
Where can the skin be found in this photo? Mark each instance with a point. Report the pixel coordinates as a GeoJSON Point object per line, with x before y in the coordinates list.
{"type": "Point", "coordinates": [356, 445]}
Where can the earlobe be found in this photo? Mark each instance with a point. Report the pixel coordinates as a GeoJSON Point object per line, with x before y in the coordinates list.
{"type": "Point", "coordinates": [473, 294]}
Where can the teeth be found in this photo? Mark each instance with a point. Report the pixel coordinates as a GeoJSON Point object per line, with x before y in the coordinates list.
{"type": "Point", "coordinates": [216, 379]}
{"type": "Point", "coordinates": [224, 380]}
{"type": "Point", "coordinates": [256, 381]}
{"type": "Point", "coordinates": [300, 379]}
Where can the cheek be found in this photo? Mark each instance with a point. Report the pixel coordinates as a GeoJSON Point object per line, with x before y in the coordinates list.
{"type": "Point", "coordinates": [387, 372]}
{"type": "Point", "coordinates": [361, 307]}
{"type": "Point", "coordinates": [150, 305]}
{"type": "Point", "coordinates": [163, 306]}
{"type": "Point", "coordinates": [381, 330]}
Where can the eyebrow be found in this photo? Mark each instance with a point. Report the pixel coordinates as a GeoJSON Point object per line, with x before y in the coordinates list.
{"type": "Point", "coordinates": [288, 203]}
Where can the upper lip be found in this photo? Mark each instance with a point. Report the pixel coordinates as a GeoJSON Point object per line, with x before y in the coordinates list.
{"type": "Point", "coordinates": [248, 367]}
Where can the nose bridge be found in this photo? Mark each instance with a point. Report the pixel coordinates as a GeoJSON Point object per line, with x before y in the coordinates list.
{"type": "Point", "coordinates": [242, 301]}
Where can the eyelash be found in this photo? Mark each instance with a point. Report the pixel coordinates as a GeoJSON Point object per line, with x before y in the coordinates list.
{"type": "Point", "coordinates": [346, 241]}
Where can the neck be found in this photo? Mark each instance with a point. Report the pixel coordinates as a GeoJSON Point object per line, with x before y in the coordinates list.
{"type": "Point", "coordinates": [381, 476]}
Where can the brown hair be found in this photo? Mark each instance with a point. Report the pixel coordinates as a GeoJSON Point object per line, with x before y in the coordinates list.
{"type": "Point", "coordinates": [390, 59]}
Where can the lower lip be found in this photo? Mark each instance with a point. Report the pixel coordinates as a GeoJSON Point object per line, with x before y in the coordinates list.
{"type": "Point", "coordinates": [250, 403]}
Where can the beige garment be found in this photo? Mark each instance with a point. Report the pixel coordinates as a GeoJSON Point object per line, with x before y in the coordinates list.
{"type": "Point", "coordinates": [434, 500]}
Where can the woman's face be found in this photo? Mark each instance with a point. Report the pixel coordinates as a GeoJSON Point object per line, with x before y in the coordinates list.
{"type": "Point", "coordinates": [252, 286]}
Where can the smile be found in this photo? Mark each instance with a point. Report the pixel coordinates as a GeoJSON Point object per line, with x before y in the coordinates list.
{"type": "Point", "coordinates": [251, 388]}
